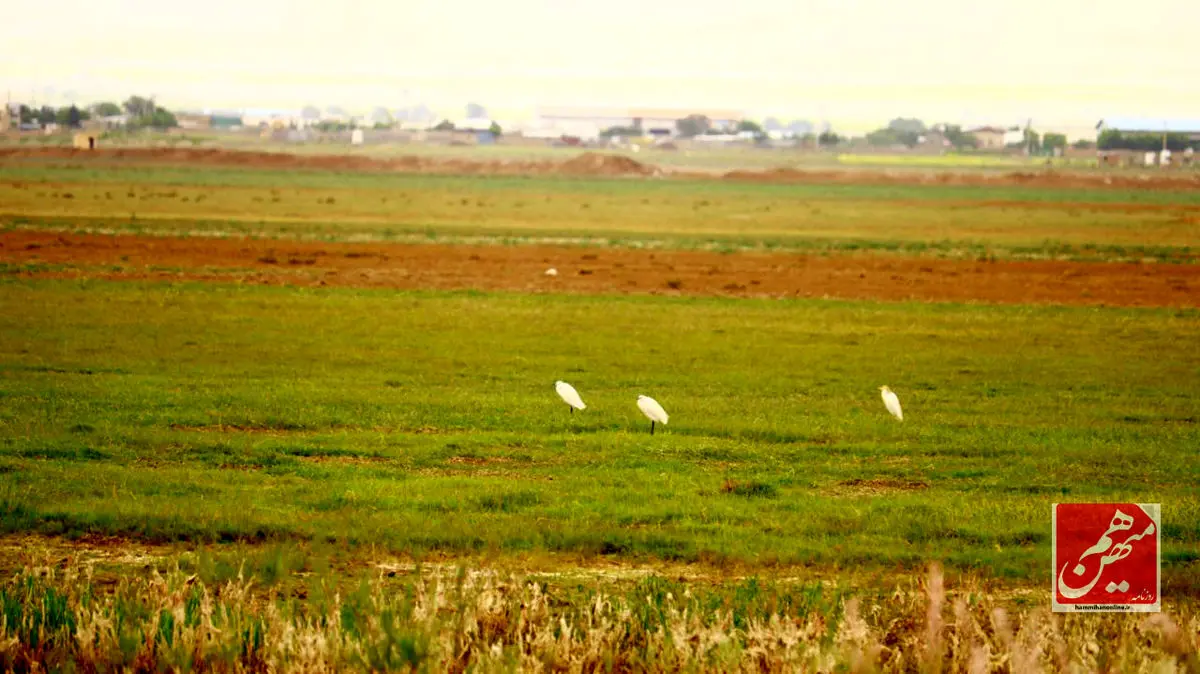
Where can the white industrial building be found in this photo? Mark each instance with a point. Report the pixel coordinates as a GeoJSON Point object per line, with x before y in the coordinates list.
{"type": "Point", "coordinates": [588, 123]}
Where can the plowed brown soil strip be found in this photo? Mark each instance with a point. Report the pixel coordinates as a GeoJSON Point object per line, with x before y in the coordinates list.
{"type": "Point", "coordinates": [584, 270]}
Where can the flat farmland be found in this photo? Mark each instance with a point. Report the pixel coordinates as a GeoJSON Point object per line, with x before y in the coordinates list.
{"type": "Point", "coordinates": [1005, 219]}
{"type": "Point", "coordinates": [347, 394]}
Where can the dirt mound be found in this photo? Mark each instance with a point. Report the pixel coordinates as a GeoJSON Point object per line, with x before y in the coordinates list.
{"type": "Point", "coordinates": [597, 164]}
{"type": "Point", "coordinates": [781, 175]}
{"type": "Point", "coordinates": [587, 164]}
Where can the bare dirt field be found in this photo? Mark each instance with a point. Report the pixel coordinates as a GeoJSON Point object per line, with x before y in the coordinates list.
{"type": "Point", "coordinates": [600, 165]}
{"type": "Point", "coordinates": [597, 270]}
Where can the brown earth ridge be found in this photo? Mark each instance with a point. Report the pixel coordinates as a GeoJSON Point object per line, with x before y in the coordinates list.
{"type": "Point", "coordinates": [522, 268]}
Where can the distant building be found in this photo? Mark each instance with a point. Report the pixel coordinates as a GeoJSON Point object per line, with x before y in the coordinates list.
{"type": "Point", "coordinates": [271, 119]}
{"type": "Point", "coordinates": [1014, 136]}
{"type": "Point", "coordinates": [85, 141]}
{"type": "Point", "coordinates": [229, 122]}
{"type": "Point", "coordinates": [475, 129]}
{"type": "Point", "coordinates": [933, 141]}
{"type": "Point", "coordinates": [989, 137]}
{"type": "Point", "coordinates": [193, 120]}
{"type": "Point", "coordinates": [113, 121]}
{"type": "Point", "coordinates": [661, 121]}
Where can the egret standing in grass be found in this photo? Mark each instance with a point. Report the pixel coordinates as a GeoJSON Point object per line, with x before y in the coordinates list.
{"type": "Point", "coordinates": [892, 402]}
{"type": "Point", "coordinates": [653, 411]}
{"type": "Point", "coordinates": [569, 395]}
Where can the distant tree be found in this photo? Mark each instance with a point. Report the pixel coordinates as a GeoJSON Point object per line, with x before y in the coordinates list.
{"type": "Point", "coordinates": [828, 139]}
{"type": "Point", "coordinates": [960, 139]}
{"type": "Point", "coordinates": [310, 112]}
{"type": "Point", "coordinates": [496, 130]}
{"type": "Point", "coordinates": [883, 138]}
{"type": "Point", "coordinates": [421, 113]}
{"type": "Point", "coordinates": [1112, 139]}
{"type": "Point", "coordinates": [906, 126]}
{"type": "Point", "coordinates": [1109, 139]}
{"type": "Point", "coordinates": [444, 125]}
{"type": "Point", "coordinates": [381, 118]}
{"type": "Point", "coordinates": [47, 115]}
{"type": "Point", "coordinates": [800, 127]}
{"type": "Point", "coordinates": [621, 132]}
{"type": "Point", "coordinates": [71, 116]}
{"type": "Point", "coordinates": [1053, 141]}
{"type": "Point", "coordinates": [26, 114]}
{"type": "Point", "coordinates": [1083, 144]}
{"type": "Point", "coordinates": [161, 118]}
{"type": "Point", "coordinates": [138, 106]}
{"type": "Point", "coordinates": [143, 112]}
{"type": "Point", "coordinates": [889, 137]}
{"type": "Point", "coordinates": [693, 125]}
{"type": "Point", "coordinates": [749, 125]}
{"type": "Point", "coordinates": [772, 124]}
{"type": "Point", "coordinates": [1032, 142]}
{"type": "Point", "coordinates": [106, 109]}
{"type": "Point", "coordinates": [476, 111]}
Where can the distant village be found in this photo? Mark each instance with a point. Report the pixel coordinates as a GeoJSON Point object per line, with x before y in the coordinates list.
{"type": "Point", "coordinates": [1118, 141]}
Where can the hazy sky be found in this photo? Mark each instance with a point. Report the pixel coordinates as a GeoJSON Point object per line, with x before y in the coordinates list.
{"type": "Point", "coordinates": [857, 63]}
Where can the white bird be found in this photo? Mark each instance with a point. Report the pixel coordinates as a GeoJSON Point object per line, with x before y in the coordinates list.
{"type": "Point", "coordinates": [569, 395]}
{"type": "Point", "coordinates": [653, 411]}
{"type": "Point", "coordinates": [892, 402]}
{"type": "Point", "coordinates": [552, 272]}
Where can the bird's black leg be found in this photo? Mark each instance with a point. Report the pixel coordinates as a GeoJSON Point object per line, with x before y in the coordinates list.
{"type": "Point", "coordinates": [571, 408]}
{"type": "Point", "coordinates": [651, 428]}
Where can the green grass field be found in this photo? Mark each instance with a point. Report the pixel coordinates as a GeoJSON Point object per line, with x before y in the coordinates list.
{"type": "Point", "coordinates": [306, 433]}
{"type": "Point", "coordinates": [931, 220]}
{"type": "Point", "coordinates": [428, 422]}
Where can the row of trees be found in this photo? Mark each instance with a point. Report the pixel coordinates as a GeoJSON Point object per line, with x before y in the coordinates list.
{"type": "Point", "coordinates": [142, 112]}
{"type": "Point", "coordinates": [700, 125]}
{"type": "Point", "coordinates": [69, 116]}
{"type": "Point", "coordinates": [910, 132]}
{"type": "Point", "coordinates": [447, 125]}
{"type": "Point", "coordinates": [907, 132]}
{"type": "Point", "coordinates": [1112, 139]}
{"type": "Point", "coordinates": [336, 118]}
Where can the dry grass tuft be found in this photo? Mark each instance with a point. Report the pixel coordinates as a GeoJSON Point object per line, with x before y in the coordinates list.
{"type": "Point", "coordinates": [486, 621]}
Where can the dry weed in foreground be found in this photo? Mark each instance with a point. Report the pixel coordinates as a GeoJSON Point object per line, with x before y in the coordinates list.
{"type": "Point", "coordinates": [483, 621]}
